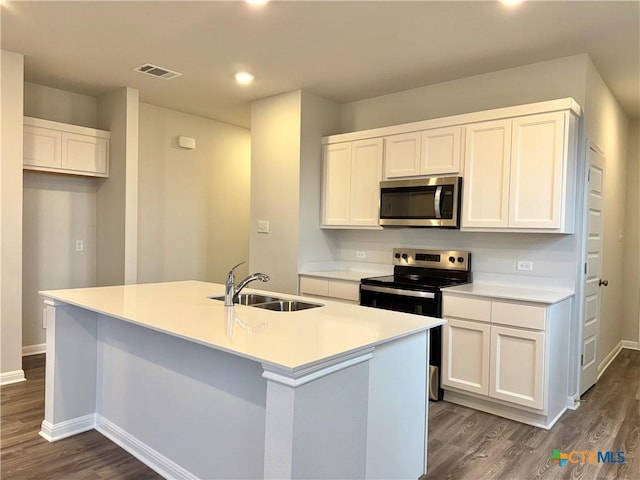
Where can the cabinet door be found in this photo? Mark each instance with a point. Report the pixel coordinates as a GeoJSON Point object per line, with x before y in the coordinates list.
{"type": "Point", "coordinates": [402, 155]}
{"type": "Point", "coordinates": [366, 172]}
{"type": "Point", "coordinates": [84, 153]}
{"type": "Point", "coordinates": [336, 184]}
{"type": "Point", "coordinates": [517, 366]}
{"type": "Point", "coordinates": [41, 147]}
{"type": "Point", "coordinates": [440, 151]}
{"type": "Point", "coordinates": [465, 356]}
{"type": "Point", "coordinates": [485, 197]}
{"type": "Point", "coordinates": [537, 169]}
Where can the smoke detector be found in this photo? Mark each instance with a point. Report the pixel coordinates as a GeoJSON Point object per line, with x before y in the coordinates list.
{"type": "Point", "coordinates": [158, 72]}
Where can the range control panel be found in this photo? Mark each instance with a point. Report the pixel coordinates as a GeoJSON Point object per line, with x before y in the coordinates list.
{"type": "Point", "coordinates": [446, 259]}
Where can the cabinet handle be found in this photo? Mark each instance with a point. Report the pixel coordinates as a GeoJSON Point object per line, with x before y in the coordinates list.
{"type": "Point", "coordinates": [603, 282]}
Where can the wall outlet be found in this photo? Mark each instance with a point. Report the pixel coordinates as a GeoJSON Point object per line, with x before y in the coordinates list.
{"type": "Point", "coordinates": [524, 266]}
{"type": "Point", "coordinates": [361, 254]}
{"type": "Point", "coordinates": [79, 245]}
{"type": "Point", "coordinates": [263, 226]}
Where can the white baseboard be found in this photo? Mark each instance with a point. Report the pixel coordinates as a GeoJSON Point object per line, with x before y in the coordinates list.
{"type": "Point", "coordinates": [34, 349]}
{"type": "Point", "coordinates": [614, 353]}
{"type": "Point", "coordinates": [629, 344]}
{"type": "Point", "coordinates": [52, 433]}
{"type": "Point", "coordinates": [12, 377]}
{"type": "Point", "coordinates": [143, 452]}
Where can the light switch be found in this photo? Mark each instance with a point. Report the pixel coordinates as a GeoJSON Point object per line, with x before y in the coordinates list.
{"type": "Point", "coordinates": [263, 226]}
{"type": "Point", "coordinates": [79, 246]}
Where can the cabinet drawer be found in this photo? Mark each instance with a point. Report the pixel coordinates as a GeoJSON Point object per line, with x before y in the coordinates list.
{"type": "Point", "coordinates": [470, 308]}
{"type": "Point", "coordinates": [517, 315]}
{"type": "Point", "coordinates": [344, 290]}
{"type": "Point", "coordinates": [314, 286]}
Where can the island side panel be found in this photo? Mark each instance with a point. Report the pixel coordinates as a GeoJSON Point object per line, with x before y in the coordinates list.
{"type": "Point", "coordinates": [197, 412]}
{"type": "Point", "coordinates": [70, 372]}
{"type": "Point", "coordinates": [398, 404]}
{"type": "Point", "coordinates": [318, 428]}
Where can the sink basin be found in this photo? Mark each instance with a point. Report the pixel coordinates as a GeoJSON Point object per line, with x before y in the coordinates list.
{"type": "Point", "coordinates": [287, 305]}
{"type": "Point", "coordinates": [249, 298]}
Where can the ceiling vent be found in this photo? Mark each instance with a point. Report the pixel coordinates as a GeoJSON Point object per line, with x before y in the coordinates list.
{"type": "Point", "coordinates": [158, 72]}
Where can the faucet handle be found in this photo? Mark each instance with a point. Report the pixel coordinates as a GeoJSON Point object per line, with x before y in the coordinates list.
{"type": "Point", "coordinates": [236, 266]}
{"type": "Point", "coordinates": [230, 275]}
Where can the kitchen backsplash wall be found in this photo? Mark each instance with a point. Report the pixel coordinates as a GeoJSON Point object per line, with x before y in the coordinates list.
{"type": "Point", "coordinates": [553, 255]}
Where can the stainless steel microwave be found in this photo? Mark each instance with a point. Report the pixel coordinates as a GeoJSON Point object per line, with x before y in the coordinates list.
{"type": "Point", "coordinates": [423, 202]}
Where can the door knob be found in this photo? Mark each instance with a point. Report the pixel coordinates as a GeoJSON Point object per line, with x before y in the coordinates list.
{"type": "Point", "coordinates": [603, 282]}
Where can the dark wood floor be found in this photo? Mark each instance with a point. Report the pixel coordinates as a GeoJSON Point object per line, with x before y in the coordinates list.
{"type": "Point", "coordinates": [466, 444]}
{"type": "Point", "coordinates": [463, 443]}
{"type": "Point", "coordinates": [25, 455]}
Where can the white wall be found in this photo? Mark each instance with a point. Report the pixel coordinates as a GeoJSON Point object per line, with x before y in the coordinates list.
{"type": "Point", "coordinates": [549, 80]}
{"type": "Point", "coordinates": [606, 127]}
{"type": "Point", "coordinates": [60, 105]}
{"type": "Point", "coordinates": [193, 204]}
{"type": "Point", "coordinates": [117, 195]}
{"type": "Point", "coordinates": [319, 118]}
{"type": "Point", "coordinates": [631, 296]}
{"type": "Point", "coordinates": [58, 210]}
{"type": "Point", "coordinates": [11, 91]}
{"type": "Point", "coordinates": [275, 174]}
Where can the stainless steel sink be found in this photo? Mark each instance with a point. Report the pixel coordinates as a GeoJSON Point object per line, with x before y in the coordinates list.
{"type": "Point", "coordinates": [287, 305]}
{"type": "Point", "coordinates": [249, 298]}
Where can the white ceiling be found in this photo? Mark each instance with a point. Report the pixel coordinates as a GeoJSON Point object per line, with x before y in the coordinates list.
{"type": "Point", "coordinates": [343, 51]}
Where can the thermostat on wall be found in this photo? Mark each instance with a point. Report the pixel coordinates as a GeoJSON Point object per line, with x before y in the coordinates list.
{"type": "Point", "coordinates": [187, 142]}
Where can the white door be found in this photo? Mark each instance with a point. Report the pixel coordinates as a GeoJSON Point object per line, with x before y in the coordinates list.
{"type": "Point", "coordinates": [440, 151]}
{"type": "Point", "coordinates": [487, 164]}
{"type": "Point", "coordinates": [402, 155]}
{"type": "Point", "coordinates": [366, 172]}
{"type": "Point", "coordinates": [517, 366]}
{"type": "Point", "coordinates": [337, 184]}
{"type": "Point", "coordinates": [593, 281]}
{"type": "Point", "coordinates": [537, 161]}
{"type": "Point", "coordinates": [465, 356]}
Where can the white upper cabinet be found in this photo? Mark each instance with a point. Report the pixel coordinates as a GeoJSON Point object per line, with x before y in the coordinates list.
{"type": "Point", "coordinates": [336, 184]}
{"type": "Point", "coordinates": [351, 184]}
{"type": "Point", "coordinates": [440, 151]}
{"type": "Point", "coordinates": [485, 201]}
{"type": "Point", "coordinates": [61, 148]}
{"type": "Point", "coordinates": [430, 152]}
{"type": "Point", "coordinates": [518, 166]}
{"type": "Point", "coordinates": [402, 155]}
{"type": "Point", "coordinates": [537, 171]}
{"type": "Point", "coordinates": [519, 174]}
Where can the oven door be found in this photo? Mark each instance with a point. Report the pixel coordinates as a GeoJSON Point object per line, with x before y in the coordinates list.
{"type": "Point", "coordinates": [419, 303]}
{"type": "Point", "coordinates": [432, 202]}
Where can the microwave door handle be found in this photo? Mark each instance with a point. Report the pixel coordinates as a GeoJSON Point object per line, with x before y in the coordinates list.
{"type": "Point", "coordinates": [436, 201]}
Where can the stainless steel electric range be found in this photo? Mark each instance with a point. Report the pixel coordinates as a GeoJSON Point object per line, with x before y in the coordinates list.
{"type": "Point", "coordinates": [415, 287]}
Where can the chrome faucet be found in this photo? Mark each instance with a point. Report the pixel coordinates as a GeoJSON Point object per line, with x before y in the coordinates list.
{"type": "Point", "coordinates": [231, 292]}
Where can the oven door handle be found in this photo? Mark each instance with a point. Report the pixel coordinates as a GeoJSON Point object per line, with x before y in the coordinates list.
{"type": "Point", "coordinates": [397, 291]}
{"type": "Point", "coordinates": [437, 202]}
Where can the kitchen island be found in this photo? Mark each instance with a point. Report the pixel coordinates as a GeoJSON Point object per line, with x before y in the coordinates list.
{"type": "Point", "coordinates": [198, 390]}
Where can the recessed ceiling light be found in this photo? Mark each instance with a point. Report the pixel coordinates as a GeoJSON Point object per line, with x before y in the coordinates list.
{"type": "Point", "coordinates": [256, 2]}
{"type": "Point", "coordinates": [511, 2]}
{"type": "Point", "coordinates": [244, 78]}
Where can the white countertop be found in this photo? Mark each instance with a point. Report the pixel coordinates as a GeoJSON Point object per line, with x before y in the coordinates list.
{"type": "Point", "coordinates": [290, 340]}
{"type": "Point", "coordinates": [510, 292]}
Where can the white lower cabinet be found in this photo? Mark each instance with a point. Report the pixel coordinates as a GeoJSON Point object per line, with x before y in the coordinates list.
{"type": "Point", "coordinates": [344, 290]}
{"type": "Point", "coordinates": [465, 358]}
{"type": "Point", "coordinates": [517, 363]}
{"type": "Point", "coordinates": [507, 358]}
